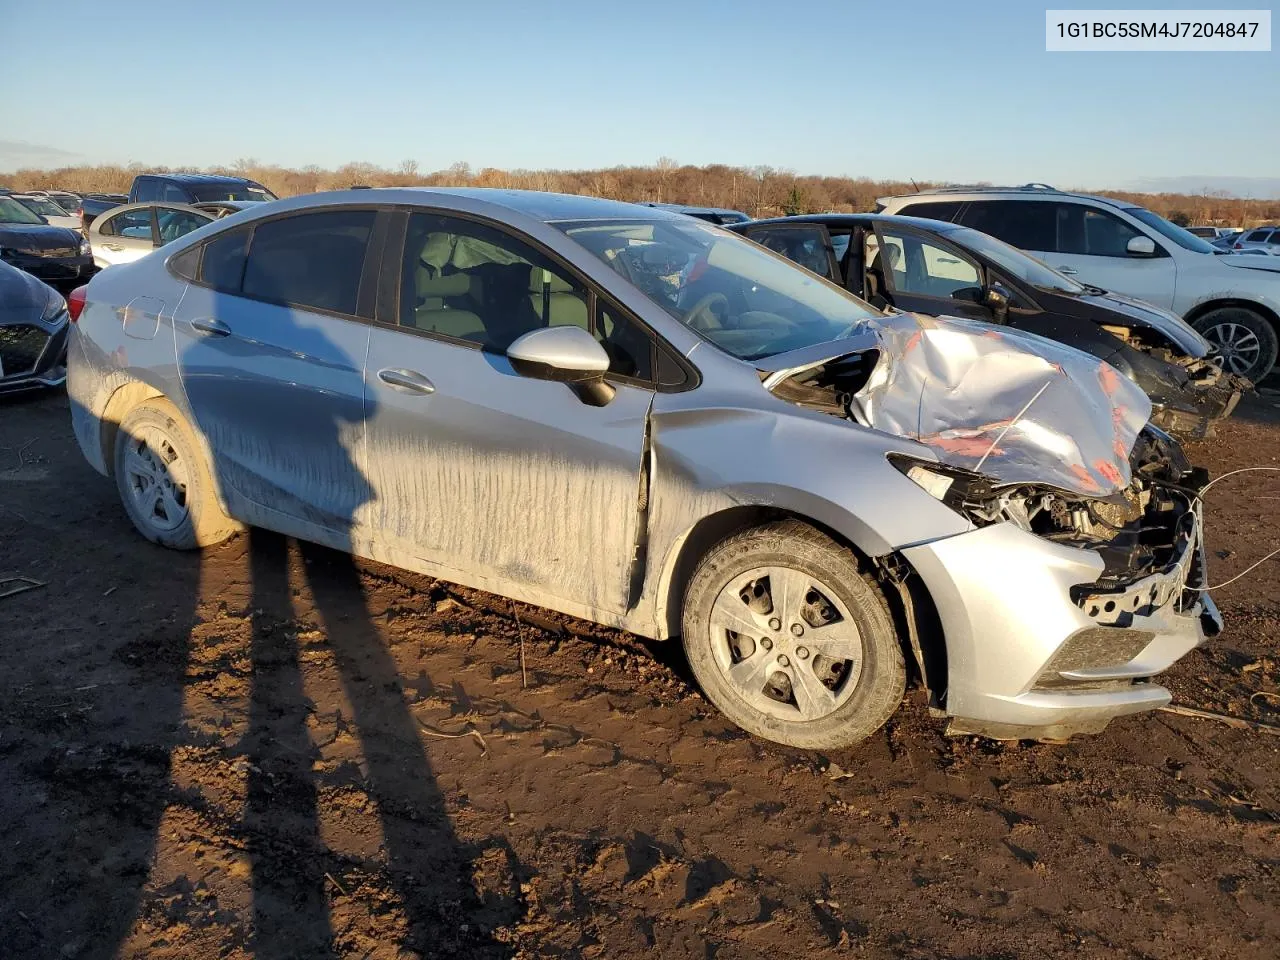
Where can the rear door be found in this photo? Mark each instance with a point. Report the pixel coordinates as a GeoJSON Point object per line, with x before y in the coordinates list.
{"type": "Point", "coordinates": [126, 237]}
{"type": "Point", "coordinates": [501, 477]}
{"type": "Point", "coordinates": [271, 341]}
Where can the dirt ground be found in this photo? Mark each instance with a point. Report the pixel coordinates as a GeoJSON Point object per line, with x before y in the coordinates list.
{"type": "Point", "coordinates": [273, 751]}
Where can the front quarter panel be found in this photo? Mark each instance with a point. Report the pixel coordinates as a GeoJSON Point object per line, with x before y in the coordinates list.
{"type": "Point", "coordinates": [713, 451]}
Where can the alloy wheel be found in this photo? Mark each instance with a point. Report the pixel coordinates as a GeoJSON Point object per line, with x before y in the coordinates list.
{"type": "Point", "coordinates": [1235, 345]}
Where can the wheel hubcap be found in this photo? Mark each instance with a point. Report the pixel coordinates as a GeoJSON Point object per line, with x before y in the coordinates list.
{"type": "Point", "coordinates": [1235, 345]}
{"type": "Point", "coordinates": [757, 622]}
{"type": "Point", "coordinates": [157, 480]}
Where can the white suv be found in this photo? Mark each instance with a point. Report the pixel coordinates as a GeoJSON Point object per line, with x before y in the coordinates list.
{"type": "Point", "coordinates": [1233, 300]}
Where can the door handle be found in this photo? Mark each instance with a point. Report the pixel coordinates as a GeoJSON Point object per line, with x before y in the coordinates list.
{"type": "Point", "coordinates": [210, 326]}
{"type": "Point", "coordinates": [406, 381]}
{"type": "Point", "coordinates": [1068, 271]}
{"type": "Point", "coordinates": [113, 246]}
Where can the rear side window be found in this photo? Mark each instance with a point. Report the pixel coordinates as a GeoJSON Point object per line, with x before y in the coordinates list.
{"type": "Point", "coordinates": [311, 260]}
{"type": "Point", "coordinates": [933, 210]}
{"type": "Point", "coordinates": [222, 265]}
{"type": "Point", "coordinates": [1025, 224]}
{"type": "Point", "coordinates": [133, 225]}
{"type": "Point", "coordinates": [805, 245]}
{"type": "Point", "coordinates": [173, 193]}
{"type": "Point", "coordinates": [1091, 232]}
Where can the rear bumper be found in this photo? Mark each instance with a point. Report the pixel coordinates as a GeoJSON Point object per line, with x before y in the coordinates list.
{"type": "Point", "coordinates": [1026, 659]}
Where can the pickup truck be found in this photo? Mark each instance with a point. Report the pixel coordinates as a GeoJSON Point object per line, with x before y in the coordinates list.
{"type": "Point", "coordinates": [189, 188]}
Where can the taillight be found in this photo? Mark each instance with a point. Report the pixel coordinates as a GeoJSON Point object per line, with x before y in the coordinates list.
{"type": "Point", "coordinates": [75, 302]}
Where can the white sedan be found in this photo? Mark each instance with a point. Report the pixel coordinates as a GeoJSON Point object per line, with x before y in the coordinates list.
{"type": "Point", "coordinates": [127, 233]}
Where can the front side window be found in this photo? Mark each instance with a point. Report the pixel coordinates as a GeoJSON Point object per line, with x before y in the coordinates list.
{"type": "Point", "coordinates": [914, 265]}
{"type": "Point", "coordinates": [209, 193]}
{"type": "Point", "coordinates": [472, 282]}
{"type": "Point", "coordinates": [747, 301]}
{"type": "Point", "coordinates": [1091, 232]}
{"type": "Point", "coordinates": [1025, 224]}
{"type": "Point", "coordinates": [310, 260]}
{"type": "Point", "coordinates": [805, 245]}
{"type": "Point", "coordinates": [178, 223]}
{"type": "Point", "coordinates": [132, 224]}
{"type": "Point", "coordinates": [1022, 266]}
{"type": "Point", "coordinates": [1170, 231]}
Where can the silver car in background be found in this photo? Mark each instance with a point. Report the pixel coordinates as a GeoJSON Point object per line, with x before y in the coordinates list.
{"type": "Point", "coordinates": [637, 418]}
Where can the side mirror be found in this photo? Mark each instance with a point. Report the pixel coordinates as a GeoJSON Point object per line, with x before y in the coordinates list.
{"type": "Point", "coordinates": [997, 297]}
{"type": "Point", "coordinates": [567, 355]}
{"type": "Point", "coordinates": [1141, 247]}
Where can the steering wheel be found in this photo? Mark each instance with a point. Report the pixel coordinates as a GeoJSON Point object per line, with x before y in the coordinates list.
{"type": "Point", "coordinates": [701, 318]}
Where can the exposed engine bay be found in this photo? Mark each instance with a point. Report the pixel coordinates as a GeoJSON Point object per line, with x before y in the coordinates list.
{"type": "Point", "coordinates": [1025, 432]}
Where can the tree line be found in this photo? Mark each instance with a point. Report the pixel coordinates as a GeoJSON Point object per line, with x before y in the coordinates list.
{"type": "Point", "coordinates": [759, 191]}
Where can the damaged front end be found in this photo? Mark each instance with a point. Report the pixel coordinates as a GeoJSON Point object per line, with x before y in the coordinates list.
{"type": "Point", "coordinates": [1084, 573]}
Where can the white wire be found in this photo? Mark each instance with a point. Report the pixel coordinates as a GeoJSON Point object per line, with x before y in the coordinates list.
{"type": "Point", "coordinates": [1200, 507]}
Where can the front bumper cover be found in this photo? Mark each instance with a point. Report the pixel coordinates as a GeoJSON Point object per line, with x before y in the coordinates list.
{"type": "Point", "coordinates": [1027, 660]}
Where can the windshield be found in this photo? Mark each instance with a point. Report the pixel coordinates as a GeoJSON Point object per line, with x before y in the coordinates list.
{"type": "Point", "coordinates": [209, 193]}
{"type": "Point", "coordinates": [1172, 231]}
{"type": "Point", "coordinates": [46, 208]}
{"type": "Point", "coordinates": [747, 301]}
{"type": "Point", "coordinates": [1023, 267]}
{"type": "Point", "coordinates": [11, 211]}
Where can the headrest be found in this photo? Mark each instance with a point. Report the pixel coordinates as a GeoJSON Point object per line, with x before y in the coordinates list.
{"type": "Point", "coordinates": [437, 250]}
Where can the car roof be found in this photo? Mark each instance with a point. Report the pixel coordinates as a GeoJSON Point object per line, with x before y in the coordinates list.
{"type": "Point", "coordinates": [687, 208]}
{"type": "Point", "coordinates": [199, 178]}
{"type": "Point", "coordinates": [937, 226]}
{"type": "Point", "coordinates": [1027, 189]}
{"type": "Point", "coordinates": [547, 207]}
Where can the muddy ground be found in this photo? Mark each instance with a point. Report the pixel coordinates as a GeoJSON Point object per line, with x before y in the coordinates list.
{"type": "Point", "coordinates": [272, 751]}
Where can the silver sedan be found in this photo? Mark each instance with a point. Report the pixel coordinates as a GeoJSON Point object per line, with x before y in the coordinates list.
{"type": "Point", "coordinates": [640, 419]}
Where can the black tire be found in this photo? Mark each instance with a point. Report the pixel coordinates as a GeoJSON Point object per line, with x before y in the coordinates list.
{"type": "Point", "coordinates": [1255, 323]}
{"type": "Point", "coordinates": [878, 688]}
{"type": "Point", "coordinates": [201, 521]}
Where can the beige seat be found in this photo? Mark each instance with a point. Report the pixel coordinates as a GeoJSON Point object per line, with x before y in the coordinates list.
{"type": "Point", "coordinates": [434, 313]}
{"type": "Point", "coordinates": [556, 302]}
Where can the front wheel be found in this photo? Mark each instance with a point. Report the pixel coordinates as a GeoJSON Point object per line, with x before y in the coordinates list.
{"type": "Point", "coordinates": [1243, 341]}
{"type": "Point", "coordinates": [790, 641]}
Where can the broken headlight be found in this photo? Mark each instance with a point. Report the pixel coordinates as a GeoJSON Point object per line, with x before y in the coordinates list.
{"type": "Point", "coordinates": [961, 490]}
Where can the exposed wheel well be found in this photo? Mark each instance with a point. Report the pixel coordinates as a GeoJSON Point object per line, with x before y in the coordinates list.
{"type": "Point", "coordinates": [121, 402]}
{"type": "Point", "coordinates": [888, 572]}
{"type": "Point", "coordinates": [1201, 309]}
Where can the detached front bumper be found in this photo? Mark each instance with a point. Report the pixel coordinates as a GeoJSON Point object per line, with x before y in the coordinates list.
{"type": "Point", "coordinates": [1033, 651]}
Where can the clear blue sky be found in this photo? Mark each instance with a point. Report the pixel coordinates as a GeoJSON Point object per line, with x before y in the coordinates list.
{"type": "Point", "coordinates": [931, 90]}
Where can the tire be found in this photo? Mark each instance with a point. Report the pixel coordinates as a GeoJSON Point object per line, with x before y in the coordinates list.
{"type": "Point", "coordinates": [865, 675]}
{"type": "Point", "coordinates": [164, 481]}
{"type": "Point", "coordinates": [1246, 340]}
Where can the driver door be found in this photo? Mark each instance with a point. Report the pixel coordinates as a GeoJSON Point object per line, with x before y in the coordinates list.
{"type": "Point", "coordinates": [922, 274]}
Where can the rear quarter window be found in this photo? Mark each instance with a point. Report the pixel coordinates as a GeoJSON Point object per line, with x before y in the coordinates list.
{"type": "Point", "coordinates": [222, 265]}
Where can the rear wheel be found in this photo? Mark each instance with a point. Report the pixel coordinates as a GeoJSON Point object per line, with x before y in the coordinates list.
{"type": "Point", "coordinates": [1244, 342]}
{"type": "Point", "coordinates": [164, 482]}
{"type": "Point", "coordinates": [790, 641]}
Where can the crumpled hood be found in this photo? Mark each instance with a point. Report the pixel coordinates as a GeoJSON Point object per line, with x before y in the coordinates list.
{"type": "Point", "coordinates": [22, 296]}
{"type": "Point", "coordinates": [1007, 404]}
